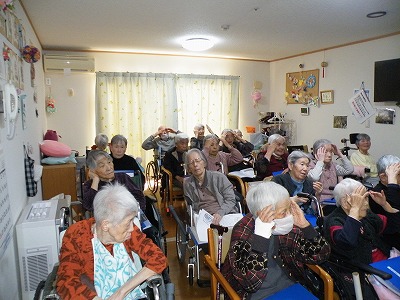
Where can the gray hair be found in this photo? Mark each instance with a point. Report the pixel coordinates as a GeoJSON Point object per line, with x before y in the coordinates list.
{"type": "Point", "coordinates": [344, 187]}
{"type": "Point", "coordinates": [386, 161]}
{"type": "Point", "coordinates": [192, 151]}
{"type": "Point", "coordinates": [272, 138]}
{"type": "Point", "coordinates": [101, 141]}
{"type": "Point", "coordinates": [114, 203]}
{"type": "Point", "coordinates": [116, 139]}
{"type": "Point", "coordinates": [360, 137]}
{"type": "Point", "coordinates": [94, 156]}
{"type": "Point", "coordinates": [181, 136]}
{"type": "Point", "coordinates": [297, 154]}
{"type": "Point", "coordinates": [237, 131]}
{"type": "Point", "coordinates": [211, 136]}
{"type": "Point", "coordinates": [320, 143]}
{"type": "Point", "coordinates": [198, 126]}
{"type": "Point", "coordinates": [264, 194]}
{"type": "Point", "coordinates": [227, 130]}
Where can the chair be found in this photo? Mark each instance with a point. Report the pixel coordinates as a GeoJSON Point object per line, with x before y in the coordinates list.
{"type": "Point", "coordinates": [303, 148]}
{"type": "Point", "coordinates": [217, 277]}
{"type": "Point", "coordinates": [171, 192]}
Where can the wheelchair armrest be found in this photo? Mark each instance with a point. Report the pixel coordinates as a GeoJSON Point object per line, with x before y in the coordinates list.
{"type": "Point", "coordinates": [154, 281]}
{"type": "Point", "coordinates": [371, 270]}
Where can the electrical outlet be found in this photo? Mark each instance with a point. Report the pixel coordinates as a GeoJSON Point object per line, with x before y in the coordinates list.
{"type": "Point", "coordinates": [48, 81]}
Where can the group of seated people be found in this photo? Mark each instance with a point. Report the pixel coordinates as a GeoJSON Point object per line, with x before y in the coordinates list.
{"type": "Point", "coordinates": [269, 245]}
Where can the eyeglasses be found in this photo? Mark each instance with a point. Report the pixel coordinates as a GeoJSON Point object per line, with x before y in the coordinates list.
{"type": "Point", "coordinates": [194, 161]}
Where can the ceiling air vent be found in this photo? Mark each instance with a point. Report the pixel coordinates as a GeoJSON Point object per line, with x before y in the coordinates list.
{"type": "Point", "coordinates": [64, 63]}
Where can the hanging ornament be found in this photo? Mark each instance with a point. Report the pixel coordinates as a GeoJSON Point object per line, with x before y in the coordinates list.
{"type": "Point", "coordinates": [256, 96]}
{"type": "Point", "coordinates": [324, 64]}
{"type": "Point", "coordinates": [31, 55]}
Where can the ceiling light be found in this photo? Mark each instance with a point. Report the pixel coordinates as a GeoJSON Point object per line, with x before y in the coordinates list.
{"type": "Point", "coordinates": [376, 14]}
{"type": "Point", "coordinates": [197, 44]}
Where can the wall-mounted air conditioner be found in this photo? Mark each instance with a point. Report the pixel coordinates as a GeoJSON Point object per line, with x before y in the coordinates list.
{"type": "Point", "coordinates": [64, 63]}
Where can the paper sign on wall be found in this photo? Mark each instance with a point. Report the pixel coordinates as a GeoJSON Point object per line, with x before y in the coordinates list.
{"type": "Point", "coordinates": [361, 107]}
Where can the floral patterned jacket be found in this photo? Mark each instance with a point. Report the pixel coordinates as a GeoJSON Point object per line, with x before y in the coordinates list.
{"type": "Point", "coordinates": [246, 264]}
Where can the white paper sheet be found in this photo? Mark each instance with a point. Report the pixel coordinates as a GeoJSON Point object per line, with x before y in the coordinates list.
{"type": "Point", "coordinates": [204, 219]}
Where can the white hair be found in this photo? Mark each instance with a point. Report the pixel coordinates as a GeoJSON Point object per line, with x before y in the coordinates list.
{"type": "Point", "coordinates": [346, 187]}
{"type": "Point", "coordinates": [264, 194]}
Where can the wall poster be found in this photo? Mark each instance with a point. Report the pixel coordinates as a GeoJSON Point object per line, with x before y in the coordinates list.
{"type": "Point", "coordinates": [303, 88]}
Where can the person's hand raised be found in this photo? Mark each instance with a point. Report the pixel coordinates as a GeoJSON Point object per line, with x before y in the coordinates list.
{"type": "Point", "coordinates": [392, 172]}
{"type": "Point", "coordinates": [298, 215]}
{"type": "Point", "coordinates": [318, 187]}
{"type": "Point", "coordinates": [320, 155]}
{"type": "Point", "coordinates": [209, 129]}
{"type": "Point", "coordinates": [267, 214]}
{"type": "Point", "coordinates": [357, 201]}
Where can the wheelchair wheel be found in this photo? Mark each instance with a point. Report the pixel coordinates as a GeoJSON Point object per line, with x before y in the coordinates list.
{"type": "Point", "coordinates": [152, 176]}
{"type": "Point", "coordinates": [191, 271]}
{"type": "Point", "coordinates": [181, 243]}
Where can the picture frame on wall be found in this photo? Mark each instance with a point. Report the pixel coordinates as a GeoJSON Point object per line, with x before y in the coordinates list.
{"type": "Point", "coordinates": [326, 97]}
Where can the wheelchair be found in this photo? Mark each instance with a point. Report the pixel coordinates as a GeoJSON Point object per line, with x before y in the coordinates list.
{"type": "Point", "coordinates": [158, 287]}
{"type": "Point", "coordinates": [153, 171]}
{"type": "Point", "coordinates": [187, 241]}
{"type": "Point", "coordinates": [219, 283]}
{"type": "Point", "coordinates": [341, 270]}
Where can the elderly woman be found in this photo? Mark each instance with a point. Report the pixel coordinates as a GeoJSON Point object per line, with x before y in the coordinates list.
{"type": "Point", "coordinates": [296, 181]}
{"type": "Point", "coordinates": [325, 170]}
{"type": "Point", "coordinates": [362, 157]}
{"type": "Point", "coordinates": [208, 190]}
{"type": "Point", "coordinates": [174, 159]}
{"type": "Point", "coordinates": [236, 141]}
{"type": "Point", "coordinates": [100, 257]}
{"type": "Point", "coordinates": [273, 157]}
{"type": "Point", "coordinates": [388, 167]}
{"type": "Point", "coordinates": [267, 250]}
{"type": "Point", "coordinates": [100, 142]}
{"type": "Point", "coordinates": [219, 160]}
{"type": "Point", "coordinates": [354, 231]}
{"type": "Point", "coordinates": [101, 173]}
{"type": "Point", "coordinates": [122, 161]}
{"type": "Point", "coordinates": [198, 140]}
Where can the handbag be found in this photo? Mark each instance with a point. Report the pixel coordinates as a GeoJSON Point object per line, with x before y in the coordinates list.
{"type": "Point", "coordinates": [31, 184]}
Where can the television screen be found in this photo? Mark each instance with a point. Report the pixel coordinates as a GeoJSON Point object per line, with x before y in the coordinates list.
{"type": "Point", "coordinates": [387, 80]}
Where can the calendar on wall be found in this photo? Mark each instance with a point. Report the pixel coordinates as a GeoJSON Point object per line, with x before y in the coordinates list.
{"type": "Point", "coordinates": [5, 209]}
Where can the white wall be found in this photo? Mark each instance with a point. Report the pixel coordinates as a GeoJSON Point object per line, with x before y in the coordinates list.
{"type": "Point", "coordinates": [348, 68]}
{"type": "Point", "coordinates": [14, 158]}
{"type": "Point", "coordinates": [75, 116]}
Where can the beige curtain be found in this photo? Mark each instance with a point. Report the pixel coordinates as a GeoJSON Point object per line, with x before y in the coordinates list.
{"type": "Point", "coordinates": [135, 104]}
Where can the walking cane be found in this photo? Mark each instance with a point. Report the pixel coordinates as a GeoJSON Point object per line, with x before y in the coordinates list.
{"type": "Point", "coordinates": [220, 230]}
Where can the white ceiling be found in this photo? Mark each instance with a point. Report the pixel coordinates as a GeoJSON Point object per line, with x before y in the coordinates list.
{"type": "Point", "coordinates": [258, 29]}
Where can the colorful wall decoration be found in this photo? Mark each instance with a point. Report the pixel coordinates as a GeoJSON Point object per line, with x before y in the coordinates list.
{"type": "Point", "coordinates": [303, 88]}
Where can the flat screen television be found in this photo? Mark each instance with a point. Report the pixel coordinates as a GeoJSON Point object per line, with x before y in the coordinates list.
{"type": "Point", "coordinates": [387, 80]}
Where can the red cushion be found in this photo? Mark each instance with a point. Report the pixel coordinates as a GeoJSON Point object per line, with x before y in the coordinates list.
{"type": "Point", "coordinates": [54, 148]}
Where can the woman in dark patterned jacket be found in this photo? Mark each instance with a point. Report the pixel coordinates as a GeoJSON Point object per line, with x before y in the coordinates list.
{"type": "Point", "coordinates": [270, 245]}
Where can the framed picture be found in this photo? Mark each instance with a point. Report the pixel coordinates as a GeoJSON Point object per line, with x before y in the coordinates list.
{"type": "Point", "coordinates": [326, 97]}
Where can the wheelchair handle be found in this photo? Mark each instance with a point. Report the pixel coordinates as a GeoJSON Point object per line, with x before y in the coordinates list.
{"type": "Point", "coordinates": [220, 229]}
{"type": "Point", "coordinates": [371, 270]}
{"type": "Point", "coordinates": [304, 195]}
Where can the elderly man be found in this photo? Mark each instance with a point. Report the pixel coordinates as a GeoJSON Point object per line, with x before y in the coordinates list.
{"type": "Point", "coordinates": [160, 141]}
{"type": "Point", "coordinates": [174, 159]}
{"type": "Point", "coordinates": [101, 173]}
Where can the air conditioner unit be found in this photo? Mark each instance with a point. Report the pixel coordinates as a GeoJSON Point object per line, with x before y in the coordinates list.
{"type": "Point", "coordinates": [64, 63]}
